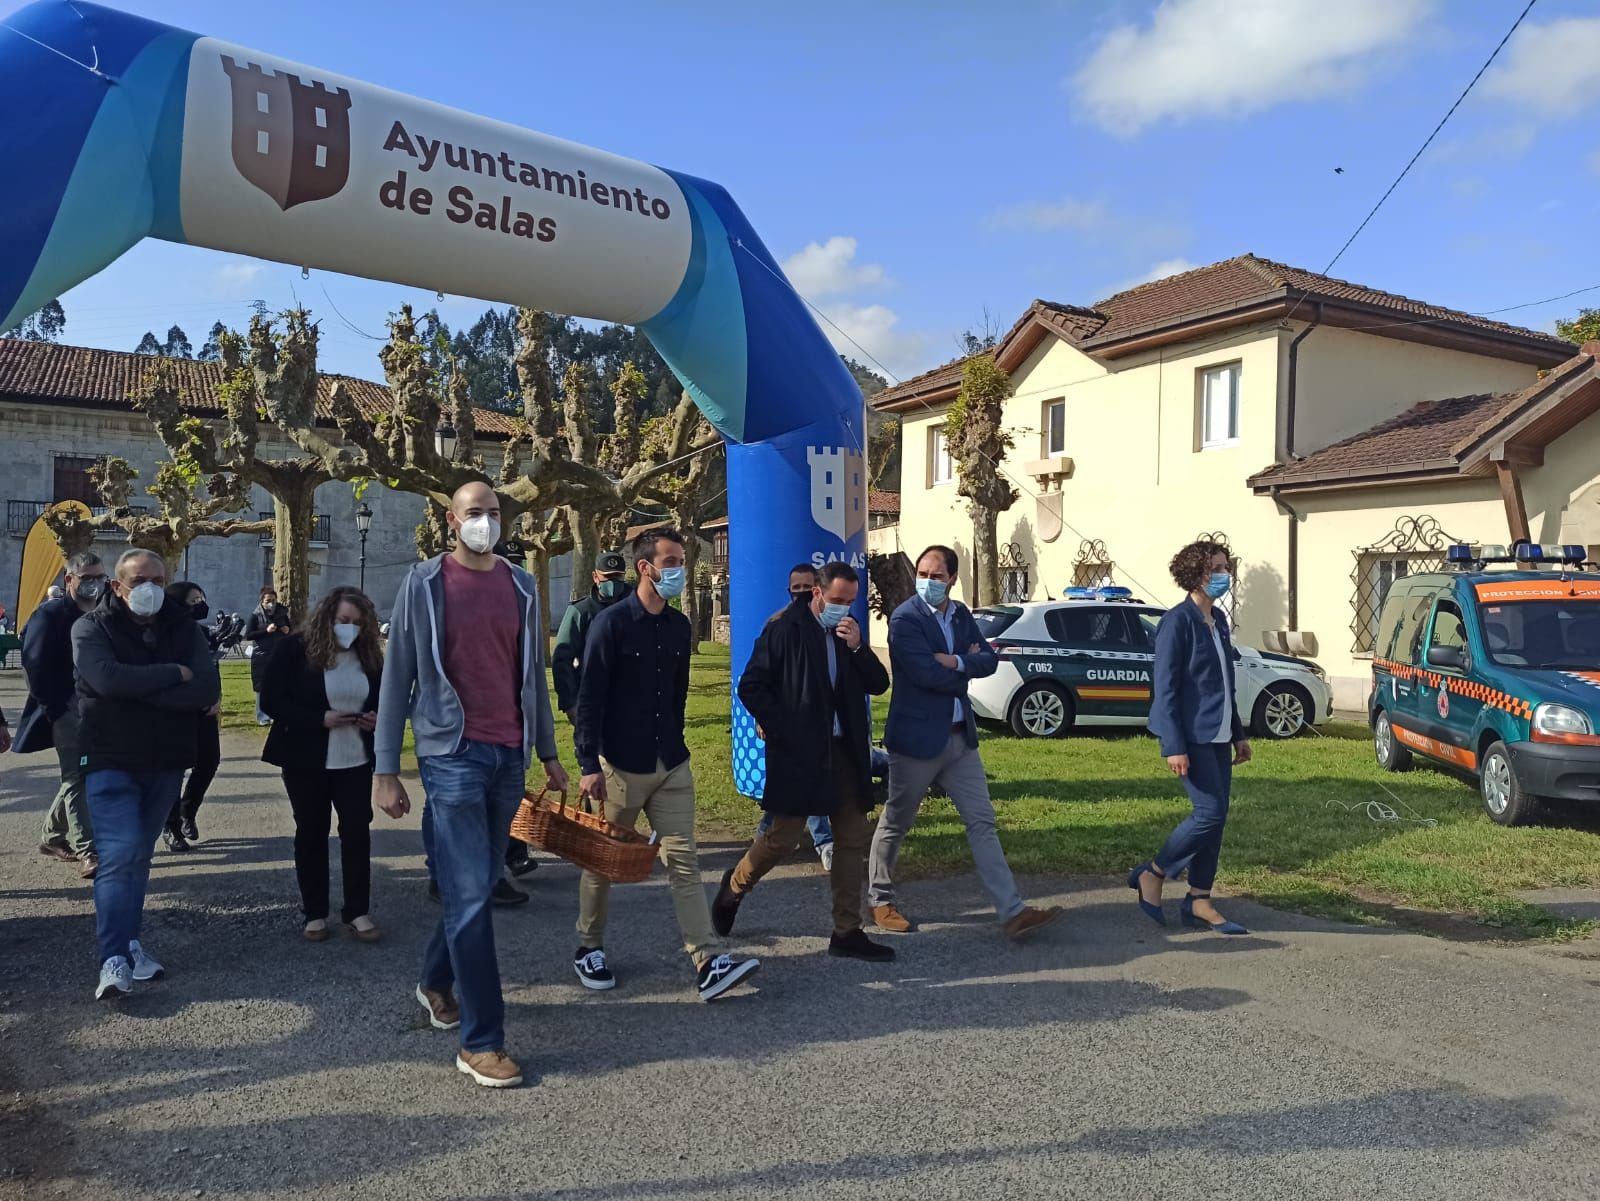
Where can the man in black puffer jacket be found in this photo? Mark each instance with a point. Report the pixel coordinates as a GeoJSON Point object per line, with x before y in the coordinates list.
{"type": "Point", "coordinates": [145, 674]}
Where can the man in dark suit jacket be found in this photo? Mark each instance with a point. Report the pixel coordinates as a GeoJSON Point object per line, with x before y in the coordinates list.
{"type": "Point", "coordinates": [50, 717]}
{"type": "Point", "coordinates": [807, 684]}
{"type": "Point", "coordinates": [935, 648]}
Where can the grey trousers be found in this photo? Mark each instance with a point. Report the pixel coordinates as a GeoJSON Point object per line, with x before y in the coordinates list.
{"type": "Point", "coordinates": [68, 817]}
{"type": "Point", "coordinates": [958, 771]}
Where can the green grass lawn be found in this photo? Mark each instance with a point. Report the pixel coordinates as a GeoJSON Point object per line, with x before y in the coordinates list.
{"type": "Point", "coordinates": [1095, 804]}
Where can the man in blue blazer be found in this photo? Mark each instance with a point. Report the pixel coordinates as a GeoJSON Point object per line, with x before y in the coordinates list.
{"type": "Point", "coordinates": [935, 648]}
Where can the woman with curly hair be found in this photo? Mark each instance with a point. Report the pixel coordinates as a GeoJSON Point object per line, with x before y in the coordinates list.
{"type": "Point", "coordinates": [321, 691]}
{"type": "Point", "coordinates": [1194, 713]}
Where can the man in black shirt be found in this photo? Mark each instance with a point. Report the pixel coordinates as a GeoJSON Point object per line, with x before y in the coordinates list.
{"type": "Point", "coordinates": [628, 733]}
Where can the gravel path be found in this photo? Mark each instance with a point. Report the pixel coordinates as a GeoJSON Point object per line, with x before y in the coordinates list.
{"type": "Point", "coordinates": [1311, 1060]}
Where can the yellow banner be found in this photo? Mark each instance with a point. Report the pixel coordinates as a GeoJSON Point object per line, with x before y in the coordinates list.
{"type": "Point", "coordinates": [42, 562]}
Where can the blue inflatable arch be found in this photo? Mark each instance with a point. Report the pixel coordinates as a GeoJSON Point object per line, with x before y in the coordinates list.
{"type": "Point", "coordinates": [137, 130]}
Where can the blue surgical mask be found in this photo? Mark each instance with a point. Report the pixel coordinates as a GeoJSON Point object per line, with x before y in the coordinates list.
{"type": "Point", "coordinates": [933, 591]}
{"type": "Point", "coordinates": [1219, 583]}
{"type": "Point", "coordinates": [671, 582]}
{"type": "Point", "coordinates": [833, 614]}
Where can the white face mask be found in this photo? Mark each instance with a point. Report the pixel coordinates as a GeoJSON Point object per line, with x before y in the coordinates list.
{"type": "Point", "coordinates": [480, 533]}
{"type": "Point", "coordinates": [346, 633]}
{"type": "Point", "coordinates": [146, 599]}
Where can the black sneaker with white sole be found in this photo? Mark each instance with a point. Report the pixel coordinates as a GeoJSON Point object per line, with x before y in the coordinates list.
{"type": "Point", "coordinates": [718, 975]}
{"type": "Point", "coordinates": [590, 965]}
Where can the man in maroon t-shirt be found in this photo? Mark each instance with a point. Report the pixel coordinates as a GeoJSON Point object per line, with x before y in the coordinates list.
{"type": "Point", "coordinates": [466, 665]}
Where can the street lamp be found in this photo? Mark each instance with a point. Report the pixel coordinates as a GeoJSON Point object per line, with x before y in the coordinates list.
{"type": "Point", "coordinates": [363, 524]}
{"type": "Point", "coordinates": [444, 441]}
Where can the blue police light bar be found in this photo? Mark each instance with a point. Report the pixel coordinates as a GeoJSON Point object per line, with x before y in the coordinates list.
{"type": "Point", "coordinates": [1111, 592]}
{"type": "Point", "coordinates": [1550, 552]}
{"type": "Point", "coordinates": [1465, 553]}
{"type": "Point", "coordinates": [1461, 553]}
{"type": "Point", "coordinates": [1078, 593]}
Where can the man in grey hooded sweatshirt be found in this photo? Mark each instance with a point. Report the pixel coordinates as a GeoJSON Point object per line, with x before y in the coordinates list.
{"type": "Point", "coordinates": [465, 665]}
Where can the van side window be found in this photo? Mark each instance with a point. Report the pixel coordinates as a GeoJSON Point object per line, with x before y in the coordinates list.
{"type": "Point", "coordinates": [1448, 628]}
{"type": "Point", "coordinates": [1388, 625]}
{"type": "Point", "coordinates": [1413, 623]}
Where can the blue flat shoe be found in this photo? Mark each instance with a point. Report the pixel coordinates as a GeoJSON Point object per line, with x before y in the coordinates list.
{"type": "Point", "coordinates": [1153, 912]}
{"type": "Point", "coordinates": [1186, 912]}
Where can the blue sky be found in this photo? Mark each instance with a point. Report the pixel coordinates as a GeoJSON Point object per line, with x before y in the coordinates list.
{"type": "Point", "coordinates": [916, 164]}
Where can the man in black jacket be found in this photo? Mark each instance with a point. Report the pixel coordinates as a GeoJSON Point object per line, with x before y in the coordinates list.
{"type": "Point", "coordinates": [50, 717]}
{"type": "Point", "coordinates": [268, 625]}
{"type": "Point", "coordinates": [807, 684]}
{"type": "Point", "coordinates": [145, 675]}
{"type": "Point", "coordinates": [629, 740]}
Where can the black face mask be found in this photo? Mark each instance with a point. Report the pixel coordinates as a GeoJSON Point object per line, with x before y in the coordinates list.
{"type": "Point", "coordinates": [200, 611]}
{"type": "Point", "coordinates": [91, 589]}
{"type": "Point", "coordinates": [611, 590]}
{"type": "Point", "coordinates": [799, 595]}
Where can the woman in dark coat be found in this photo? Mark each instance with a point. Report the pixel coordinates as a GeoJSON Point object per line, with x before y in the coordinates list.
{"type": "Point", "coordinates": [1194, 711]}
{"type": "Point", "coordinates": [181, 829]}
{"type": "Point", "coordinates": [267, 626]}
{"type": "Point", "coordinates": [321, 691]}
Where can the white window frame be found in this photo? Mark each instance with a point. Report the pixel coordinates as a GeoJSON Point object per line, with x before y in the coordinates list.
{"type": "Point", "coordinates": [939, 456]}
{"type": "Point", "coordinates": [1053, 449]}
{"type": "Point", "coordinates": [1234, 372]}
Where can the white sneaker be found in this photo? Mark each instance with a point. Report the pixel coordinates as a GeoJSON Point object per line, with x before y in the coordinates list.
{"type": "Point", "coordinates": [116, 978]}
{"type": "Point", "coordinates": [825, 853]}
{"type": "Point", "coordinates": [144, 967]}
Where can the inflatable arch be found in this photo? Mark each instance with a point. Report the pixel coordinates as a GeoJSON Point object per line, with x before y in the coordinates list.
{"type": "Point", "coordinates": [134, 129]}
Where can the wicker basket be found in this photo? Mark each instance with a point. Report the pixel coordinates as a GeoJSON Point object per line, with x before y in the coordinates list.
{"type": "Point", "coordinates": [621, 855]}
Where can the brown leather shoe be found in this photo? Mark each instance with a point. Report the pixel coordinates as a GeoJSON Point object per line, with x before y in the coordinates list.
{"type": "Point", "coordinates": [443, 1012]}
{"type": "Point", "coordinates": [364, 929]}
{"type": "Point", "coordinates": [492, 1069]}
{"type": "Point", "coordinates": [57, 848]}
{"type": "Point", "coordinates": [88, 865]}
{"type": "Point", "coordinates": [887, 917]}
{"type": "Point", "coordinates": [1029, 920]}
{"type": "Point", "coordinates": [316, 930]}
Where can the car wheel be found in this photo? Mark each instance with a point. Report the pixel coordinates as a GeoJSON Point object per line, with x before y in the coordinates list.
{"type": "Point", "coordinates": [1041, 711]}
{"type": "Point", "coordinates": [1282, 711]}
{"type": "Point", "coordinates": [1390, 754]}
{"type": "Point", "coordinates": [1503, 798]}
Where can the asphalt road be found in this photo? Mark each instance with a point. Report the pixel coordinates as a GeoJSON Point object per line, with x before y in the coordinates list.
{"type": "Point", "coordinates": [1107, 1059]}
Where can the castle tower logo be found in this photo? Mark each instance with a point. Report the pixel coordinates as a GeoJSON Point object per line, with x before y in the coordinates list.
{"type": "Point", "coordinates": [836, 490]}
{"type": "Point", "coordinates": [291, 138]}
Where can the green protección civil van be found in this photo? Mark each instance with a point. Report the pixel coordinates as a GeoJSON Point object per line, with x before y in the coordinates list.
{"type": "Point", "coordinates": [1492, 668]}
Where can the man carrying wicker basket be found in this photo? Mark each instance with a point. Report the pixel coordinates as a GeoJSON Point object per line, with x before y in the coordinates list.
{"type": "Point", "coordinates": [465, 664]}
{"type": "Point", "coordinates": [628, 734]}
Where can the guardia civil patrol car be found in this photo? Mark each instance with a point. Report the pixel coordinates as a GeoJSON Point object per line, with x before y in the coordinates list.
{"type": "Point", "coordinates": [1493, 668]}
{"type": "Point", "coordinates": [1087, 661]}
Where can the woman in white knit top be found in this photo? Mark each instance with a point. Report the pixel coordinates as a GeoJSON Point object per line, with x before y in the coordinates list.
{"type": "Point", "coordinates": [321, 691]}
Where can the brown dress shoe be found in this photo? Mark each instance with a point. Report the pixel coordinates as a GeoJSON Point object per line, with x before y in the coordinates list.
{"type": "Point", "coordinates": [364, 929]}
{"type": "Point", "coordinates": [57, 848]}
{"type": "Point", "coordinates": [1029, 920]}
{"type": "Point", "coordinates": [492, 1069]}
{"type": "Point", "coordinates": [443, 1012]}
{"type": "Point", "coordinates": [89, 865]}
{"type": "Point", "coordinates": [887, 917]}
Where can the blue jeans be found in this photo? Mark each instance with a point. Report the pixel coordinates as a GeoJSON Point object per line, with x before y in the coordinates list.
{"type": "Point", "coordinates": [471, 797]}
{"type": "Point", "coordinates": [1197, 842]}
{"type": "Point", "coordinates": [820, 827]}
{"type": "Point", "coordinates": [128, 810]}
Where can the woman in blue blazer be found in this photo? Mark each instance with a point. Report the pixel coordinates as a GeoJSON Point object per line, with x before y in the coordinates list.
{"type": "Point", "coordinates": [1194, 712]}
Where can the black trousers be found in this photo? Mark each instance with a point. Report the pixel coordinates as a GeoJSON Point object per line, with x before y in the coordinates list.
{"type": "Point", "coordinates": [207, 758]}
{"type": "Point", "coordinates": [315, 796]}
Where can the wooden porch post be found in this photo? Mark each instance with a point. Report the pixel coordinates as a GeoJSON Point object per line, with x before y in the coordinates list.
{"type": "Point", "coordinates": [1511, 496]}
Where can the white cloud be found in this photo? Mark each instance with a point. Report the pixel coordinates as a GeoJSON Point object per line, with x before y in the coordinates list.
{"type": "Point", "coordinates": [1232, 57]}
{"type": "Point", "coordinates": [1161, 270]}
{"type": "Point", "coordinates": [1553, 69]}
{"type": "Point", "coordinates": [239, 273]}
{"type": "Point", "coordinates": [1066, 213]}
{"type": "Point", "coordinates": [830, 269]}
{"type": "Point", "coordinates": [873, 326]}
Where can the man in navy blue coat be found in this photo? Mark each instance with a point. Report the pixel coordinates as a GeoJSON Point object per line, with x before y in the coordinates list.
{"type": "Point", "coordinates": [935, 648]}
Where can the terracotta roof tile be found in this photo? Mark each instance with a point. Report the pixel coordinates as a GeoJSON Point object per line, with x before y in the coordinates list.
{"type": "Point", "coordinates": [1248, 277]}
{"type": "Point", "coordinates": [44, 371]}
{"type": "Point", "coordinates": [881, 501]}
{"type": "Point", "coordinates": [1432, 434]}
